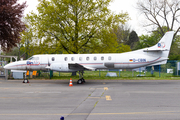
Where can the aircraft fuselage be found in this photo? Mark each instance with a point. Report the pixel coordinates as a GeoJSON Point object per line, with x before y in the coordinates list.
{"type": "Point", "coordinates": [60, 62]}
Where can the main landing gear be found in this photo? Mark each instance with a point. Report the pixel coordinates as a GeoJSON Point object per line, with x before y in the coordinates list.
{"type": "Point", "coordinates": [81, 79]}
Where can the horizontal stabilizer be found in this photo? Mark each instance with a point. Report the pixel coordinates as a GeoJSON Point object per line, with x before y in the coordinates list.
{"type": "Point", "coordinates": [163, 45]}
{"type": "Point", "coordinates": [155, 50]}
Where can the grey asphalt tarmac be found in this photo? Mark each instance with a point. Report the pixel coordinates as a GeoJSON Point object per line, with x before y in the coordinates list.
{"type": "Point", "coordinates": [94, 100]}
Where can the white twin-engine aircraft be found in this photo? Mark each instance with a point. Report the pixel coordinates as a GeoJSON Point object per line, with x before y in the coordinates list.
{"type": "Point", "coordinates": [155, 55]}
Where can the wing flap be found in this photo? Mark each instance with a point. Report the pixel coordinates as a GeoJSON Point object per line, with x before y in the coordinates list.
{"type": "Point", "coordinates": [77, 66]}
{"type": "Point", "coordinates": [90, 68]}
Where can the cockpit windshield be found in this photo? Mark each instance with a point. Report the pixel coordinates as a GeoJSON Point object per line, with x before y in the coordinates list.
{"type": "Point", "coordinates": [30, 58]}
{"type": "Point", "coordinates": [33, 58]}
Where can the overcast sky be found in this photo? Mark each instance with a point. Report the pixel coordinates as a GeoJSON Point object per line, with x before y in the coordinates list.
{"type": "Point", "coordinates": [116, 6]}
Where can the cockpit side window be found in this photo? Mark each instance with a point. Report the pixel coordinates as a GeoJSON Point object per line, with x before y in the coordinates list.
{"type": "Point", "coordinates": [30, 58]}
{"type": "Point", "coordinates": [33, 58]}
{"type": "Point", "coordinates": [37, 58]}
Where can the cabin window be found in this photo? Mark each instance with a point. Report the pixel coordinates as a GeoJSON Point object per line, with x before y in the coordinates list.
{"type": "Point", "coordinates": [87, 58]}
{"type": "Point", "coordinates": [53, 58]}
{"type": "Point", "coordinates": [65, 58]}
{"type": "Point", "coordinates": [72, 58]}
{"type": "Point", "coordinates": [80, 58]}
{"type": "Point", "coordinates": [102, 58]}
{"type": "Point", "coordinates": [95, 58]}
{"type": "Point", "coordinates": [109, 58]}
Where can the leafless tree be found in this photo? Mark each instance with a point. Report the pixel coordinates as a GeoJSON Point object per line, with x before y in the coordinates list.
{"type": "Point", "coordinates": [161, 13]}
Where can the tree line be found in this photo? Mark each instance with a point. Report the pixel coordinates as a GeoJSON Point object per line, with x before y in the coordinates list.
{"type": "Point", "coordinates": [84, 26]}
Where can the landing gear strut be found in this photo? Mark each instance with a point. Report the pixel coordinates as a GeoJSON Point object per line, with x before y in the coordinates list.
{"type": "Point", "coordinates": [25, 79]}
{"type": "Point", "coordinates": [81, 79]}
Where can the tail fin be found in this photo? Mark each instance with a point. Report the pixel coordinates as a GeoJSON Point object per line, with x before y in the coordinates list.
{"type": "Point", "coordinates": [166, 40]}
{"type": "Point", "coordinates": [163, 45]}
{"type": "Point", "coordinates": [162, 48]}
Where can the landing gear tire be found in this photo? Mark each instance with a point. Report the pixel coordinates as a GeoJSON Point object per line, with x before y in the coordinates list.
{"type": "Point", "coordinates": [25, 81]}
{"type": "Point", "coordinates": [81, 81]}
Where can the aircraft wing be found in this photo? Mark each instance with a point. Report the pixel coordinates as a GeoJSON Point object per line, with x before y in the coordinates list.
{"type": "Point", "coordinates": [77, 66]}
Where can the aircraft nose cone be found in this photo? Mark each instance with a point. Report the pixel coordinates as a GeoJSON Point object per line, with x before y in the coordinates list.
{"type": "Point", "coordinates": [16, 65]}
{"type": "Point", "coordinates": [7, 66]}
{"type": "Point", "coordinates": [10, 66]}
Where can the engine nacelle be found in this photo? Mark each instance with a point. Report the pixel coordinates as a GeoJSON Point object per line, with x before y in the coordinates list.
{"type": "Point", "coordinates": [62, 67]}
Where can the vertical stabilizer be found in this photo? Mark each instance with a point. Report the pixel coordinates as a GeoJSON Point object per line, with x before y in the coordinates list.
{"type": "Point", "coordinates": [163, 45]}
{"type": "Point", "coordinates": [162, 48]}
{"type": "Point", "coordinates": [166, 40]}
